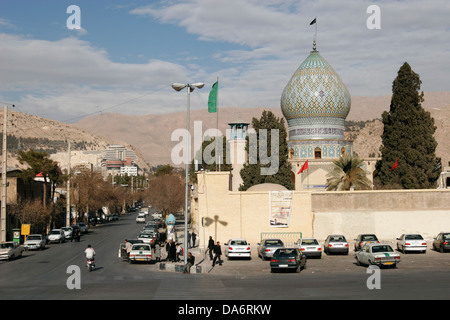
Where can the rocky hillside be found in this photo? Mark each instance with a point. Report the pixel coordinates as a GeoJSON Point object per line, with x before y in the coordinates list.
{"type": "Point", "coordinates": [30, 132]}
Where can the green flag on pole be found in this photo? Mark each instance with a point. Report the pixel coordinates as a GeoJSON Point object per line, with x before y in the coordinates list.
{"type": "Point", "coordinates": [212, 101]}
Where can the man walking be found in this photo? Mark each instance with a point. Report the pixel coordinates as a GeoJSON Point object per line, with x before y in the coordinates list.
{"type": "Point", "coordinates": [217, 254]}
{"type": "Point", "coordinates": [210, 247]}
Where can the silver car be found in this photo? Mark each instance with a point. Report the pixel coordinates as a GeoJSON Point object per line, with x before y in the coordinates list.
{"type": "Point", "coordinates": [267, 247]}
{"type": "Point", "coordinates": [335, 243]}
{"type": "Point", "coordinates": [34, 241]}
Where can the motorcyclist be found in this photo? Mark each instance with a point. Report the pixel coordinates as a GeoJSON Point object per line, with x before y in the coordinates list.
{"type": "Point", "coordinates": [90, 254]}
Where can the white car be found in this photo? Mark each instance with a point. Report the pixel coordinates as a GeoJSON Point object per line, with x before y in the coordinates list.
{"type": "Point", "coordinates": [56, 235]}
{"type": "Point", "coordinates": [140, 218]}
{"type": "Point", "coordinates": [140, 252]}
{"type": "Point", "coordinates": [411, 242]}
{"type": "Point", "coordinates": [67, 232]}
{"type": "Point", "coordinates": [34, 241]}
{"type": "Point", "coordinates": [237, 248]}
{"type": "Point", "coordinates": [377, 254]}
{"type": "Point", "coordinates": [10, 250]}
{"type": "Point", "coordinates": [310, 247]}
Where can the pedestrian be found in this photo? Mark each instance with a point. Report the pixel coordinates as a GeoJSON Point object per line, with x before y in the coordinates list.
{"type": "Point", "coordinates": [210, 247]}
{"type": "Point", "coordinates": [168, 250]}
{"type": "Point", "coordinates": [78, 232]}
{"type": "Point", "coordinates": [179, 252]}
{"type": "Point", "coordinates": [190, 263]}
{"type": "Point", "coordinates": [217, 254]}
{"type": "Point", "coordinates": [157, 252]}
{"type": "Point", "coordinates": [128, 247]}
{"type": "Point", "coordinates": [194, 237]}
{"type": "Point", "coordinates": [189, 240]}
{"type": "Point", "coordinates": [172, 251]}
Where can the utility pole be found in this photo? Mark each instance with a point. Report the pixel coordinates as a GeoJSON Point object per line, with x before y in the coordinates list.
{"type": "Point", "coordinates": [68, 216]}
{"type": "Point", "coordinates": [4, 181]}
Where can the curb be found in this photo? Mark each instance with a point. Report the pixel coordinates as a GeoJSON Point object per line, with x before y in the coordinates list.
{"type": "Point", "coordinates": [174, 267]}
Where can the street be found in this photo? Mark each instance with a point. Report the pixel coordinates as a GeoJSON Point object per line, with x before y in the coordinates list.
{"type": "Point", "coordinates": [42, 275]}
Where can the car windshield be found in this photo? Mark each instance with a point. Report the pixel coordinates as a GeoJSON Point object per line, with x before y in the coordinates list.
{"type": "Point", "coordinates": [286, 252]}
{"type": "Point", "coordinates": [369, 237]}
{"type": "Point", "coordinates": [446, 236]}
{"type": "Point", "coordinates": [238, 243]}
{"type": "Point", "coordinates": [146, 235]}
{"type": "Point", "coordinates": [309, 242]}
{"type": "Point", "coordinates": [33, 238]}
{"type": "Point", "coordinates": [67, 229]}
{"type": "Point", "coordinates": [140, 247]}
{"type": "Point", "coordinates": [55, 232]}
{"type": "Point", "coordinates": [6, 245]}
{"type": "Point", "coordinates": [383, 248]}
{"type": "Point", "coordinates": [413, 237]}
{"type": "Point", "coordinates": [274, 243]}
{"type": "Point", "coordinates": [337, 239]}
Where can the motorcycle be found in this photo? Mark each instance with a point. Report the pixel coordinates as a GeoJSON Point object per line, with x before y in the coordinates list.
{"type": "Point", "coordinates": [90, 264]}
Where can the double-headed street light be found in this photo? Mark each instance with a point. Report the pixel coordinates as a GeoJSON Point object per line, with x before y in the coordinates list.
{"type": "Point", "coordinates": [190, 88]}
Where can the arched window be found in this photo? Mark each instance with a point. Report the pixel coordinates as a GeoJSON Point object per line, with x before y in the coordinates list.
{"type": "Point", "coordinates": [317, 153]}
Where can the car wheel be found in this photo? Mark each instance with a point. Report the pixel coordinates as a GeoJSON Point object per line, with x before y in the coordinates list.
{"type": "Point", "coordinates": [403, 250]}
{"type": "Point", "coordinates": [358, 263]}
{"type": "Point", "coordinates": [441, 249]}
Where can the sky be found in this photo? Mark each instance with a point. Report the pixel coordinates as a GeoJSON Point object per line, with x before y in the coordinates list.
{"type": "Point", "coordinates": [126, 54]}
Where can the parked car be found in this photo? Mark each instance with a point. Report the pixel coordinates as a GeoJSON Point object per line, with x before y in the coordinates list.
{"type": "Point", "coordinates": [310, 247]}
{"type": "Point", "coordinates": [288, 258]}
{"type": "Point", "coordinates": [377, 254]}
{"type": "Point", "coordinates": [363, 239]}
{"type": "Point", "coordinates": [140, 252]}
{"type": "Point", "coordinates": [335, 243]}
{"type": "Point", "coordinates": [148, 237]}
{"type": "Point", "coordinates": [441, 242]}
{"type": "Point", "coordinates": [10, 250]}
{"type": "Point", "coordinates": [56, 235]}
{"type": "Point", "coordinates": [237, 248]}
{"type": "Point", "coordinates": [140, 218]}
{"type": "Point", "coordinates": [67, 232]}
{"type": "Point", "coordinates": [411, 242]}
{"type": "Point", "coordinates": [267, 247]}
{"type": "Point", "coordinates": [83, 227]}
{"type": "Point", "coordinates": [122, 252]}
{"type": "Point", "coordinates": [34, 241]}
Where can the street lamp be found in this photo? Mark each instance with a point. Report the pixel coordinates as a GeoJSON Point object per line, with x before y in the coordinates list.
{"type": "Point", "coordinates": [190, 88]}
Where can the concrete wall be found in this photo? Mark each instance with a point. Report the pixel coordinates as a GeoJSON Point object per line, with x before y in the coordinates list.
{"type": "Point", "coordinates": [317, 214]}
{"type": "Point", "coordinates": [385, 213]}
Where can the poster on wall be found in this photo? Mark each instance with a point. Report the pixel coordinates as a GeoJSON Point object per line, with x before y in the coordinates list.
{"type": "Point", "coordinates": [280, 205]}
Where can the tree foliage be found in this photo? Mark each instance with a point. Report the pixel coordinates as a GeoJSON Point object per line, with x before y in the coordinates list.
{"type": "Point", "coordinates": [348, 172]}
{"type": "Point", "coordinates": [408, 136]}
{"type": "Point", "coordinates": [166, 193]}
{"type": "Point", "coordinates": [251, 173]}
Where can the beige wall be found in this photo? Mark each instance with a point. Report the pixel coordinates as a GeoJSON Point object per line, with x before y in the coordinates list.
{"type": "Point", "coordinates": [317, 214]}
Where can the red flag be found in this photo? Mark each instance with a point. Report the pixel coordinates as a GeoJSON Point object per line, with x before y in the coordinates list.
{"type": "Point", "coordinates": [394, 166]}
{"type": "Point", "coordinates": [304, 167]}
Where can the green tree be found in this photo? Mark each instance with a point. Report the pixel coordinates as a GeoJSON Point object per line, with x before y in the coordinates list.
{"type": "Point", "coordinates": [207, 160]}
{"type": "Point", "coordinates": [251, 174]}
{"type": "Point", "coordinates": [408, 136]}
{"type": "Point", "coordinates": [348, 172]}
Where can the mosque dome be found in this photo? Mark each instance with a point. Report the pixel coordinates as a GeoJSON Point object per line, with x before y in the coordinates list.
{"type": "Point", "coordinates": [315, 101]}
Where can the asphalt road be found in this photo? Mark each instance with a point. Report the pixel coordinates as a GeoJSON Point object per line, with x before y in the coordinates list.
{"type": "Point", "coordinates": [43, 275]}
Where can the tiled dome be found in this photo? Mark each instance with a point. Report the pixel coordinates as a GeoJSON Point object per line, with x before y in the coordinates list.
{"type": "Point", "coordinates": [315, 102]}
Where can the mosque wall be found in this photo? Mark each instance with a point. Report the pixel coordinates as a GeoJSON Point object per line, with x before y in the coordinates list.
{"type": "Point", "coordinates": [228, 214]}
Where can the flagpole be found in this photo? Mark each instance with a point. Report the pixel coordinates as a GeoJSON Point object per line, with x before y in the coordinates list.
{"type": "Point", "coordinates": [217, 125]}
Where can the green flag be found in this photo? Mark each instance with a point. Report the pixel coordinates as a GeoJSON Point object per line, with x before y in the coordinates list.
{"type": "Point", "coordinates": [212, 101]}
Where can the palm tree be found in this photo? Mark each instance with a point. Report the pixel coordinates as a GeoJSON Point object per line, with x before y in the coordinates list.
{"type": "Point", "coordinates": [348, 173]}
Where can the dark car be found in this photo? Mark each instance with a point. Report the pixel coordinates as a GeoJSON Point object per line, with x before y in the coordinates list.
{"type": "Point", "coordinates": [363, 239]}
{"type": "Point", "coordinates": [441, 242]}
{"type": "Point", "coordinates": [288, 259]}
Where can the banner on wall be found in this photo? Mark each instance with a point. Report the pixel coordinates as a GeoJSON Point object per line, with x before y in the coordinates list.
{"type": "Point", "coordinates": [280, 206]}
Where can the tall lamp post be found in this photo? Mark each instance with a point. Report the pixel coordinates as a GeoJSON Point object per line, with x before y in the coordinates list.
{"type": "Point", "coordinates": [190, 88]}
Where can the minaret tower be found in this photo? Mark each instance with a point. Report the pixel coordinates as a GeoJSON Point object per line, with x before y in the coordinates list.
{"type": "Point", "coordinates": [238, 157]}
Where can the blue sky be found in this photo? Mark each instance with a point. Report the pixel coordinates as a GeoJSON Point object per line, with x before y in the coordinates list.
{"type": "Point", "coordinates": [128, 53]}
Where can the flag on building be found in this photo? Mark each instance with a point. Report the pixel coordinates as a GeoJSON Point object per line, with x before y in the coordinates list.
{"type": "Point", "coordinates": [304, 167]}
{"type": "Point", "coordinates": [212, 100]}
{"type": "Point", "coordinates": [394, 166]}
{"type": "Point", "coordinates": [312, 22]}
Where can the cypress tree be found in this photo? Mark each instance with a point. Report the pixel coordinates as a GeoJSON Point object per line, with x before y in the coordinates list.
{"type": "Point", "coordinates": [251, 172]}
{"type": "Point", "coordinates": [408, 137]}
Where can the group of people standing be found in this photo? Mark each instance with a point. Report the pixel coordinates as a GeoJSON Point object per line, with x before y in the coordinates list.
{"type": "Point", "coordinates": [215, 251]}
